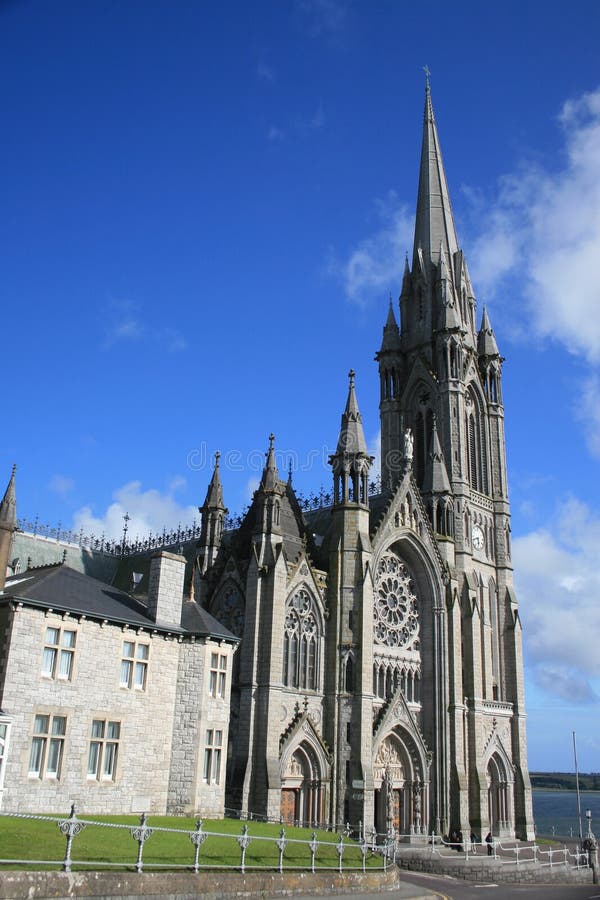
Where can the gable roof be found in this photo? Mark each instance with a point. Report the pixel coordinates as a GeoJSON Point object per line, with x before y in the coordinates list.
{"type": "Point", "coordinates": [61, 588]}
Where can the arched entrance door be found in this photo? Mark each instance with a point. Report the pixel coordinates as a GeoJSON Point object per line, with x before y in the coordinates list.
{"type": "Point", "coordinates": [400, 790]}
{"type": "Point", "coordinates": [302, 788]}
{"type": "Point", "coordinates": [499, 796]}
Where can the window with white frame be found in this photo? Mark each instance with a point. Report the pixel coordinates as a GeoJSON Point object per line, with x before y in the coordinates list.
{"type": "Point", "coordinates": [104, 750]}
{"type": "Point", "coordinates": [212, 756]}
{"type": "Point", "coordinates": [218, 675]}
{"type": "Point", "coordinates": [134, 665]}
{"type": "Point", "coordinates": [4, 733]}
{"type": "Point", "coordinates": [59, 652]}
{"type": "Point", "coordinates": [47, 746]}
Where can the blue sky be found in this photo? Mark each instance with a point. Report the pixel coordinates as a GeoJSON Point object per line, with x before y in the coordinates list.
{"type": "Point", "coordinates": [204, 209]}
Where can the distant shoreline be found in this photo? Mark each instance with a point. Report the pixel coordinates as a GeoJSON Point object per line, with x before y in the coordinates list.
{"type": "Point", "coordinates": [564, 790]}
{"type": "Point", "coordinates": [565, 781]}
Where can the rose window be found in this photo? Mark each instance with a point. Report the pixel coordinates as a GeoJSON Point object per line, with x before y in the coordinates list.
{"type": "Point", "coordinates": [396, 616]}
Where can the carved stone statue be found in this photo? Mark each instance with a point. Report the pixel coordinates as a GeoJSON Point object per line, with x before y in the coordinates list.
{"type": "Point", "coordinates": [417, 806]}
{"type": "Point", "coordinates": [389, 800]}
{"type": "Point", "coordinates": [409, 443]}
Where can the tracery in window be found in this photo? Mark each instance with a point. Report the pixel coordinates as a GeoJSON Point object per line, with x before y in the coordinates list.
{"type": "Point", "coordinates": [476, 445]}
{"type": "Point", "coordinates": [396, 615]}
{"type": "Point", "coordinates": [301, 641]}
{"type": "Point", "coordinates": [229, 610]}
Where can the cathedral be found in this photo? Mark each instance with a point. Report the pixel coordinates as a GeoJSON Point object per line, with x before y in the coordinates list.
{"type": "Point", "coordinates": [378, 679]}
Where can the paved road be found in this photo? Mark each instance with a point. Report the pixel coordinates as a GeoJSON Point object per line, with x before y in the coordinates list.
{"type": "Point", "coordinates": [458, 889]}
{"type": "Point", "coordinates": [415, 886]}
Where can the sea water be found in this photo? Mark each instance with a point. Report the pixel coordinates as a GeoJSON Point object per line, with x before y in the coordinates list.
{"type": "Point", "coordinates": [555, 812]}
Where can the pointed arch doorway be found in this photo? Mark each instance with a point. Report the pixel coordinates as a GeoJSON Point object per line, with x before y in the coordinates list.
{"type": "Point", "coordinates": [500, 799]}
{"type": "Point", "coordinates": [400, 788]}
{"type": "Point", "coordinates": [302, 788]}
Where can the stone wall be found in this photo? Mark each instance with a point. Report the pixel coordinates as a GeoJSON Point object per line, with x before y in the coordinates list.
{"type": "Point", "coordinates": [185, 886]}
{"type": "Point", "coordinates": [165, 590]}
{"type": "Point", "coordinates": [487, 869]}
{"type": "Point", "coordinates": [93, 692]}
{"type": "Point", "coordinates": [195, 712]}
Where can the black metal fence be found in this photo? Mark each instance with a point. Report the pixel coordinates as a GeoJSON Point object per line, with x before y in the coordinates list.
{"type": "Point", "coordinates": [126, 546]}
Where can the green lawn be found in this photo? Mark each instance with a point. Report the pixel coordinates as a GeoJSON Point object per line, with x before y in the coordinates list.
{"type": "Point", "coordinates": [31, 839]}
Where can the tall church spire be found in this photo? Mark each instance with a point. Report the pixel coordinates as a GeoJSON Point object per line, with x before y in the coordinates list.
{"type": "Point", "coordinates": [352, 436]}
{"type": "Point", "coordinates": [213, 520]}
{"type": "Point", "coordinates": [351, 461]}
{"type": "Point", "coordinates": [269, 495]}
{"type": "Point", "coordinates": [214, 495]}
{"type": "Point", "coordinates": [270, 475]}
{"type": "Point", "coordinates": [8, 525]}
{"type": "Point", "coordinates": [486, 340]}
{"type": "Point", "coordinates": [434, 224]}
{"type": "Point", "coordinates": [391, 332]}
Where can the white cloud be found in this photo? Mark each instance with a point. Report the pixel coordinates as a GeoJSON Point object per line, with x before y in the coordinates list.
{"type": "Point", "coordinates": [176, 484]}
{"type": "Point", "coordinates": [149, 511]}
{"type": "Point", "coordinates": [275, 134]}
{"type": "Point", "coordinates": [122, 322]}
{"type": "Point", "coordinates": [125, 321]}
{"type": "Point", "coordinates": [173, 340]}
{"type": "Point", "coordinates": [265, 72]}
{"type": "Point", "coordinates": [558, 582]}
{"type": "Point", "coordinates": [124, 329]}
{"type": "Point", "coordinates": [322, 17]}
{"type": "Point", "coordinates": [376, 264]}
{"type": "Point", "coordinates": [375, 450]}
{"type": "Point", "coordinates": [588, 412]}
{"type": "Point", "coordinates": [60, 484]}
{"type": "Point", "coordinates": [544, 228]}
{"type": "Point", "coordinates": [251, 486]}
{"type": "Point", "coordinates": [318, 120]}
{"type": "Point", "coordinates": [306, 124]}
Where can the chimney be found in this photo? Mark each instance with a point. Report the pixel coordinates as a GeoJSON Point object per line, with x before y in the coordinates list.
{"type": "Point", "coordinates": [165, 591]}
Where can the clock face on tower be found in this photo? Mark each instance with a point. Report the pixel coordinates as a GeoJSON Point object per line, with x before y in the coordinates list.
{"type": "Point", "coordinates": [477, 537]}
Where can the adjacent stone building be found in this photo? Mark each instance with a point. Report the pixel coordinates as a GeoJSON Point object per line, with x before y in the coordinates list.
{"type": "Point", "coordinates": [110, 703]}
{"type": "Point", "coordinates": [379, 676]}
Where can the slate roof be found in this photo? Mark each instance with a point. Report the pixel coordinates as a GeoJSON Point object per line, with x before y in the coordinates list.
{"type": "Point", "coordinates": [59, 587]}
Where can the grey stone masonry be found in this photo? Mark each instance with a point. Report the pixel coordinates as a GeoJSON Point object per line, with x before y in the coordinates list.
{"type": "Point", "coordinates": [165, 591]}
{"type": "Point", "coordinates": [98, 689]}
{"type": "Point", "coordinates": [201, 709]}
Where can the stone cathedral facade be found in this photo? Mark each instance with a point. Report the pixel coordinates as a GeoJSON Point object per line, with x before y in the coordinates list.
{"type": "Point", "coordinates": [379, 675]}
{"type": "Point", "coordinates": [380, 669]}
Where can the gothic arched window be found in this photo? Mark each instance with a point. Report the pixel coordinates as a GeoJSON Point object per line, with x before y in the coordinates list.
{"type": "Point", "coordinates": [423, 432]}
{"type": "Point", "coordinates": [228, 608]}
{"type": "Point", "coordinates": [349, 675]}
{"type": "Point", "coordinates": [301, 642]}
{"type": "Point", "coordinates": [476, 445]}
